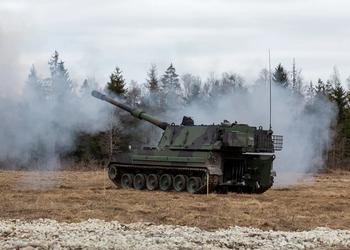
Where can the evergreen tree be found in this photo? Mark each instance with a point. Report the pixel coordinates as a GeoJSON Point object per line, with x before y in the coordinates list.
{"type": "Point", "coordinates": [328, 88]}
{"type": "Point", "coordinates": [297, 85]}
{"type": "Point", "coordinates": [53, 62]}
{"type": "Point", "coordinates": [155, 97]}
{"type": "Point", "coordinates": [33, 77]}
{"type": "Point", "coordinates": [297, 79]}
{"type": "Point", "coordinates": [34, 87]}
{"type": "Point", "coordinates": [152, 80]}
{"type": "Point", "coordinates": [171, 92]}
{"type": "Point", "coordinates": [320, 88]}
{"type": "Point", "coordinates": [280, 76]}
{"type": "Point", "coordinates": [170, 80]}
{"type": "Point", "coordinates": [338, 95]}
{"type": "Point", "coordinates": [60, 81]}
{"type": "Point", "coordinates": [310, 91]}
{"type": "Point", "coordinates": [88, 85]}
{"type": "Point", "coordinates": [116, 84]}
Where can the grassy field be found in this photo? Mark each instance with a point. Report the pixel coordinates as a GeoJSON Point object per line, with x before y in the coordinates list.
{"type": "Point", "coordinates": [76, 195]}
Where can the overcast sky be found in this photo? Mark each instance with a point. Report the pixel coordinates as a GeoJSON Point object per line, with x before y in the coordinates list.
{"type": "Point", "coordinates": [198, 36]}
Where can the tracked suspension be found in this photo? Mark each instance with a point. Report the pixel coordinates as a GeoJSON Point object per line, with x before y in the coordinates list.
{"type": "Point", "coordinates": [180, 180]}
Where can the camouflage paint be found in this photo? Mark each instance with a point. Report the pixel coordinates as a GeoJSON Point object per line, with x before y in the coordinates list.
{"type": "Point", "coordinates": [234, 156]}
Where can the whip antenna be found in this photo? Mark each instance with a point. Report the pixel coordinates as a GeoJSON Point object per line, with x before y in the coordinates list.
{"type": "Point", "coordinates": [270, 80]}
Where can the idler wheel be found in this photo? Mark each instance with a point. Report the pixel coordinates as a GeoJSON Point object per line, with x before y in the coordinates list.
{"type": "Point", "coordinates": [193, 184]}
{"type": "Point", "coordinates": [165, 182]}
{"type": "Point", "coordinates": [112, 172]}
{"type": "Point", "coordinates": [152, 182]}
{"type": "Point", "coordinates": [126, 180]}
{"type": "Point", "coordinates": [179, 183]}
{"type": "Point", "coordinates": [139, 181]}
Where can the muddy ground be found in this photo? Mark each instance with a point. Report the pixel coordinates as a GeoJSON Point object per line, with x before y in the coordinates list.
{"type": "Point", "coordinates": [74, 196]}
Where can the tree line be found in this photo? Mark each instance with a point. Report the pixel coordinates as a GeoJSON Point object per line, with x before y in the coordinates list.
{"type": "Point", "coordinates": [160, 93]}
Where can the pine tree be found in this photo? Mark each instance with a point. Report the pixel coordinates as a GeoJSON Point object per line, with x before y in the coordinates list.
{"type": "Point", "coordinates": [53, 62]}
{"type": "Point", "coordinates": [297, 80]}
{"type": "Point", "coordinates": [60, 81]}
{"type": "Point", "coordinates": [32, 77]}
{"type": "Point", "coordinates": [171, 92]}
{"type": "Point", "coordinates": [58, 70]}
{"type": "Point", "coordinates": [280, 76]}
{"type": "Point", "coordinates": [152, 81]}
{"type": "Point", "coordinates": [116, 84]}
{"type": "Point", "coordinates": [33, 83]}
{"type": "Point", "coordinates": [310, 91]}
{"type": "Point", "coordinates": [170, 80]}
{"type": "Point", "coordinates": [338, 94]}
{"type": "Point", "coordinates": [328, 88]}
{"type": "Point", "coordinates": [320, 88]}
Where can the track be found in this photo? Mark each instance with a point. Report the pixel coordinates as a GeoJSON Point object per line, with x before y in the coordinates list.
{"type": "Point", "coordinates": [161, 178]}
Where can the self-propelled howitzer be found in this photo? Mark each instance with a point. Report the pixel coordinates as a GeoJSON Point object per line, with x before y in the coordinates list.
{"type": "Point", "coordinates": [197, 158]}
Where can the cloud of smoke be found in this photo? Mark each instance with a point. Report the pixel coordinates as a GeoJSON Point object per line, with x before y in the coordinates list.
{"type": "Point", "coordinates": [306, 126]}
{"type": "Point", "coordinates": [9, 63]}
{"type": "Point", "coordinates": [39, 130]}
{"type": "Point", "coordinates": [34, 127]}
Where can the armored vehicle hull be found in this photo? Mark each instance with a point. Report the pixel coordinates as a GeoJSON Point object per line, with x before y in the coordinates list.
{"type": "Point", "coordinates": [195, 171]}
{"type": "Point", "coordinates": [198, 158]}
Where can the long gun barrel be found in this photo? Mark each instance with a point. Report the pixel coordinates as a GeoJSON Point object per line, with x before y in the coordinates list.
{"type": "Point", "coordinates": [138, 113]}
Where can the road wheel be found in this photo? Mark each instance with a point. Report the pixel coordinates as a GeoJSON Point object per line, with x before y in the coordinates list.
{"type": "Point", "coordinates": [152, 182]}
{"type": "Point", "coordinates": [126, 180]}
{"type": "Point", "coordinates": [165, 182]}
{"type": "Point", "coordinates": [193, 184]}
{"type": "Point", "coordinates": [112, 172]}
{"type": "Point", "coordinates": [139, 181]}
{"type": "Point", "coordinates": [179, 183]}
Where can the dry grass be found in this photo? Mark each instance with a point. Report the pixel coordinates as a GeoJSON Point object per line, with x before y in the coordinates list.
{"type": "Point", "coordinates": [76, 195]}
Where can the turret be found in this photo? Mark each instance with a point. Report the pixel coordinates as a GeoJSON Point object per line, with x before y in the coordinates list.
{"type": "Point", "coordinates": [138, 113]}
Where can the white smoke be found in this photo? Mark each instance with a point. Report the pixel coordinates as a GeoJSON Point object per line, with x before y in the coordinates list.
{"type": "Point", "coordinates": [46, 129]}
{"type": "Point", "coordinates": [306, 127]}
{"type": "Point", "coordinates": [33, 125]}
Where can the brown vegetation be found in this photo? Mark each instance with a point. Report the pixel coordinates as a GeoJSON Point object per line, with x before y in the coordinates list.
{"type": "Point", "coordinates": [76, 195]}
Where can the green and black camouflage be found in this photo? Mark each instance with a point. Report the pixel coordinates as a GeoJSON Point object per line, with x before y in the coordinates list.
{"type": "Point", "coordinates": [198, 158]}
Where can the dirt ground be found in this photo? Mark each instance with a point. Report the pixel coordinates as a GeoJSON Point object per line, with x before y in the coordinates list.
{"type": "Point", "coordinates": [74, 196]}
